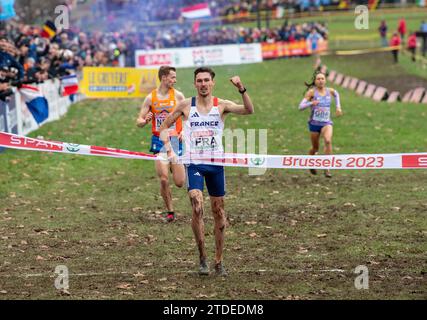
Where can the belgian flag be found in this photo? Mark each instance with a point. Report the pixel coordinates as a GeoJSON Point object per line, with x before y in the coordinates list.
{"type": "Point", "coordinates": [373, 4]}
{"type": "Point", "coordinates": [49, 30]}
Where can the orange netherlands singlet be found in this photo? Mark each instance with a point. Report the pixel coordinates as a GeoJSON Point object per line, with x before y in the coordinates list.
{"type": "Point", "coordinates": [161, 109]}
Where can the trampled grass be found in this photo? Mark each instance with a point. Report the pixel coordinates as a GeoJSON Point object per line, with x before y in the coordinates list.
{"type": "Point", "coordinates": [291, 235]}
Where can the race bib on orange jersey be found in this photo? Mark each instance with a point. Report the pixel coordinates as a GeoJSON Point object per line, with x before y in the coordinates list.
{"type": "Point", "coordinates": [160, 118]}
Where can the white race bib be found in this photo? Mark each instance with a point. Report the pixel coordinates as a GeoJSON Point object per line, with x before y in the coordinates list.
{"type": "Point", "coordinates": [160, 118]}
{"type": "Point", "coordinates": [321, 114]}
{"type": "Point", "coordinates": [206, 141]}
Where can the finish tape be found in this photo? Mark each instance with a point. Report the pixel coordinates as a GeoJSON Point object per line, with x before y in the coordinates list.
{"type": "Point", "coordinates": [349, 161]}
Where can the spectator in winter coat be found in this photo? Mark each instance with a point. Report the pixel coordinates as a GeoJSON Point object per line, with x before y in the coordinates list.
{"type": "Point", "coordinates": [395, 42]}
{"type": "Point", "coordinates": [402, 29]}
{"type": "Point", "coordinates": [412, 45]}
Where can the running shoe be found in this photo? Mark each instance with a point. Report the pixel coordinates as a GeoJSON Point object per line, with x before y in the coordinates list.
{"type": "Point", "coordinates": [170, 217]}
{"type": "Point", "coordinates": [203, 269]}
{"type": "Point", "coordinates": [220, 270]}
{"type": "Point", "coordinates": [314, 171]}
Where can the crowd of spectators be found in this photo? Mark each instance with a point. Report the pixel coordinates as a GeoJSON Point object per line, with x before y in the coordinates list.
{"type": "Point", "coordinates": [250, 6]}
{"type": "Point", "coordinates": [27, 56]}
{"type": "Point", "coordinates": [185, 37]}
{"type": "Point", "coordinates": [43, 58]}
{"type": "Point", "coordinates": [164, 10]}
{"type": "Point", "coordinates": [140, 30]}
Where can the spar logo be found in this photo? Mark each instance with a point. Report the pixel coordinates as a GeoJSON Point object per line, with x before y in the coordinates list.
{"type": "Point", "coordinates": [31, 143]}
{"type": "Point", "coordinates": [414, 161]}
{"type": "Point", "coordinates": [71, 147]}
{"type": "Point", "coordinates": [259, 161]}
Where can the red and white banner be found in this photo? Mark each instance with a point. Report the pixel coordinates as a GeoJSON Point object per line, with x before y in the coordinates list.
{"type": "Point", "coordinates": [14, 141]}
{"type": "Point", "coordinates": [196, 11]}
{"type": "Point", "coordinates": [349, 162]}
{"type": "Point", "coordinates": [217, 55]}
{"type": "Point", "coordinates": [289, 49]}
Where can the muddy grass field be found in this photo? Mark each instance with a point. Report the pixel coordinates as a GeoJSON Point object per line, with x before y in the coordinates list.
{"type": "Point", "coordinates": [291, 235]}
{"type": "Point", "coordinates": [300, 238]}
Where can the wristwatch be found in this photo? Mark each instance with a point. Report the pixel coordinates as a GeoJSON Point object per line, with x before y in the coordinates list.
{"type": "Point", "coordinates": [243, 91]}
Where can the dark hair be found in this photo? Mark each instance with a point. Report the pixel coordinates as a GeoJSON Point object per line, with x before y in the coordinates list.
{"type": "Point", "coordinates": [313, 79]}
{"type": "Point", "coordinates": [204, 69]}
{"type": "Point", "coordinates": [164, 71]}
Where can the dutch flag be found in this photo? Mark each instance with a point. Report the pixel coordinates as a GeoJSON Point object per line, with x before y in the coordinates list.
{"type": "Point", "coordinates": [196, 11]}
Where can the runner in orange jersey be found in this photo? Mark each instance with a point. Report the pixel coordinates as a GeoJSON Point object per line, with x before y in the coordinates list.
{"type": "Point", "coordinates": [156, 107]}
